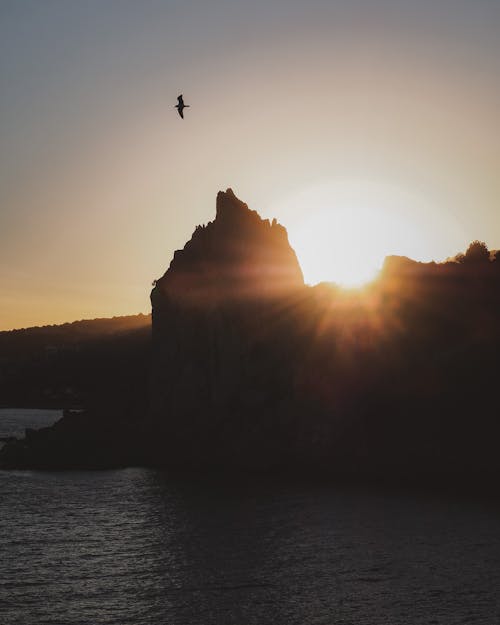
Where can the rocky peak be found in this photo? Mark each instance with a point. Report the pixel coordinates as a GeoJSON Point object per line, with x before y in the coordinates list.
{"type": "Point", "coordinates": [238, 254]}
{"type": "Point", "coordinates": [228, 206]}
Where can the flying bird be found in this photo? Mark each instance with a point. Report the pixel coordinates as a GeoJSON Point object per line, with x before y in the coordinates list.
{"type": "Point", "coordinates": [180, 106]}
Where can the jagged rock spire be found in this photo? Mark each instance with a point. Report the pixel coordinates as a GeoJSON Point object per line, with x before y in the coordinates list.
{"type": "Point", "coordinates": [239, 254]}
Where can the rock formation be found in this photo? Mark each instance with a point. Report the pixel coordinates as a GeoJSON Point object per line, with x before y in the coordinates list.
{"type": "Point", "coordinates": [251, 369]}
{"type": "Point", "coordinates": [237, 256]}
{"type": "Point", "coordinates": [221, 360]}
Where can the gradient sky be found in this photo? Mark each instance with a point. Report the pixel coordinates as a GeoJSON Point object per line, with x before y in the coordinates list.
{"type": "Point", "coordinates": [359, 124]}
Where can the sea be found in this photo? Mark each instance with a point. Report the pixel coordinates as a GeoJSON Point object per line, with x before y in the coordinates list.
{"type": "Point", "coordinates": [145, 547]}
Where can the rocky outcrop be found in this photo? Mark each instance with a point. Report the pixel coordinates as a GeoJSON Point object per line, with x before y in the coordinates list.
{"type": "Point", "coordinates": [236, 257]}
{"type": "Point", "coordinates": [221, 359]}
{"type": "Point", "coordinates": [250, 369]}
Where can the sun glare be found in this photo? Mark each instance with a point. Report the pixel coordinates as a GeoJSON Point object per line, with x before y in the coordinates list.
{"type": "Point", "coordinates": [342, 232]}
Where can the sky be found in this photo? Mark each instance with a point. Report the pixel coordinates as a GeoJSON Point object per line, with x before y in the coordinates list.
{"type": "Point", "coordinates": [367, 127]}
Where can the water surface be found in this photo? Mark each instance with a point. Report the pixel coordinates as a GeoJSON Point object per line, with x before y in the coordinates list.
{"type": "Point", "coordinates": [13, 421]}
{"type": "Point", "coordinates": [139, 546]}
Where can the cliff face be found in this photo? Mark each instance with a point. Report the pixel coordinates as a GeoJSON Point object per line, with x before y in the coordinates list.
{"type": "Point", "coordinates": [251, 369]}
{"type": "Point", "coordinates": [220, 355]}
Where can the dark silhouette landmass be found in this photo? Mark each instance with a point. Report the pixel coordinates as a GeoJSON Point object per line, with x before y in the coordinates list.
{"type": "Point", "coordinates": [249, 369]}
{"type": "Point", "coordinates": [73, 364]}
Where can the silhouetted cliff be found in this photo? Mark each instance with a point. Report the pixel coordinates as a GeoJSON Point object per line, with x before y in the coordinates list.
{"type": "Point", "coordinates": [237, 256]}
{"type": "Point", "coordinates": [251, 372]}
{"type": "Point", "coordinates": [251, 369]}
{"type": "Point", "coordinates": [223, 349]}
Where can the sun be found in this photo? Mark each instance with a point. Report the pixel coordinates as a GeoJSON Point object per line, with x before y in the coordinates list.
{"type": "Point", "coordinates": [333, 245]}
{"type": "Point", "coordinates": [343, 231]}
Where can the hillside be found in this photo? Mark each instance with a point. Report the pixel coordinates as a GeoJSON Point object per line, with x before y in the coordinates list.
{"type": "Point", "coordinates": [69, 364]}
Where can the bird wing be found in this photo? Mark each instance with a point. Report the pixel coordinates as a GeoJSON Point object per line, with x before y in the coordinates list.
{"type": "Point", "coordinates": [181, 112]}
{"type": "Point", "coordinates": [180, 100]}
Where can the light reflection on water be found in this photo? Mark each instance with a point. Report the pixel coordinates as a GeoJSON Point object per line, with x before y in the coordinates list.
{"type": "Point", "coordinates": [13, 421]}
{"type": "Point", "coordinates": [137, 546]}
